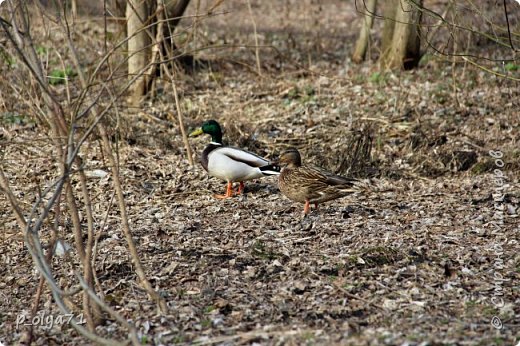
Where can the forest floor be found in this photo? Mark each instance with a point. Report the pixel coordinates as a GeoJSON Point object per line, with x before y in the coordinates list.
{"type": "Point", "coordinates": [430, 256]}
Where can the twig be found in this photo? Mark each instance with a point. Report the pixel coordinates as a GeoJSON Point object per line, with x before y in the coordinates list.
{"type": "Point", "coordinates": [181, 124]}
{"type": "Point", "coordinates": [98, 235]}
{"type": "Point", "coordinates": [48, 258]}
{"type": "Point", "coordinates": [257, 53]}
{"type": "Point", "coordinates": [490, 71]}
{"type": "Point", "coordinates": [35, 249]}
{"type": "Point", "coordinates": [125, 224]}
{"type": "Point", "coordinates": [88, 290]}
{"type": "Point", "coordinates": [94, 316]}
{"type": "Point", "coordinates": [67, 150]}
{"type": "Point", "coordinates": [4, 187]}
{"type": "Point", "coordinates": [159, 42]}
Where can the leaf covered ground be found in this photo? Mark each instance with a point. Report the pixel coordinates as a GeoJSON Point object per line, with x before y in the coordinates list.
{"type": "Point", "coordinates": [429, 256]}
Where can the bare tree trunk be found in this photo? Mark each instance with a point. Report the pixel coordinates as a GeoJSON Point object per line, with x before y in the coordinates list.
{"type": "Point", "coordinates": [389, 10]}
{"type": "Point", "coordinates": [364, 34]}
{"type": "Point", "coordinates": [139, 47]}
{"type": "Point", "coordinates": [74, 9]}
{"type": "Point", "coordinates": [413, 46]}
{"type": "Point", "coordinates": [139, 15]}
{"type": "Point", "coordinates": [401, 42]}
{"type": "Point", "coordinates": [174, 10]}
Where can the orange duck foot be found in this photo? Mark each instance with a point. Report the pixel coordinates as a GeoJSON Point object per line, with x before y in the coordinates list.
{"type": "Point", "coordinates": [240, 188]}
{"type": "Point", "coordinates": [229, 192]}
{"type": "Point", "coordinates": [307, 207]}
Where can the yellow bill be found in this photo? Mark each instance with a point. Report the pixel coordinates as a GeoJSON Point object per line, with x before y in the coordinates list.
{"type": "Point", "coordinates": [196, 132]}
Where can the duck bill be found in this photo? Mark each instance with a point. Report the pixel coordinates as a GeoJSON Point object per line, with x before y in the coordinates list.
{"type": "Point", "coordinates": [196, 132]}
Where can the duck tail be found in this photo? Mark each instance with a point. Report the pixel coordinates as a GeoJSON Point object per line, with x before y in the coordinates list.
{"type": "Point", "coordinates": [271, 169]}
{"type": "Point", "coordinates": [365, 185]}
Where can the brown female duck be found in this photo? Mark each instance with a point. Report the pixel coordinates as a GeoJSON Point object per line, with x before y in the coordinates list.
{"type": "Point", "coordinates": [306, 184]}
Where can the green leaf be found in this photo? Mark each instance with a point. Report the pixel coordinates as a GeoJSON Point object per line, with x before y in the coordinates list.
{"type": "Point", "coordinates": [14, 118]}
{"type": "Point", "coordinates": [58, 76]}
{"type": "Point", "coordinates": [376, 77]}
{"type": "Point", "coordinates": [41, 50]}
{"type": "Point", "coordinates": [7, 58]}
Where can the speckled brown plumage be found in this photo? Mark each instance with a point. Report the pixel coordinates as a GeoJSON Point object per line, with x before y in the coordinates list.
{"type": "Point", "coordinates": [306, 184]}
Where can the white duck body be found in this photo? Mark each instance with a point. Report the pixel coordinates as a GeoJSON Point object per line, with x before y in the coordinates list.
{"type": "Point", "coordinates": [232, 164]}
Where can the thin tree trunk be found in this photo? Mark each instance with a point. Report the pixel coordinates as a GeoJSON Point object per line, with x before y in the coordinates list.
{"type": "Point", "coordinates": [364, 34]}
{"type": "Point", "coordinates": [389, 10]}
{"type": "Point", "coordinates": [139, 47]}
{"type": "Point", "coordinates": [173, 11]}
{"type": "Point", "coordinates": [403, 50]}
{"type": "Point", "coordinates": [413, 47]}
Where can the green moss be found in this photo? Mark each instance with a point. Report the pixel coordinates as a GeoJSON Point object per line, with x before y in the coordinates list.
{"type": "Point", "coordinates": [470, 304]}
{"type": "Point", "coordinates": [7, 58]}
{"type": "Point", "coordinates": [209, 309]}
{"type": "Point", "coordinates": [58, 76]}
{"type": "Point", "coordinates": [489, 311]}
{"type": "Point", "coordinates": [304, 96]}
{"type": "Point", "coordinates": [308, 337]}
{"type": "Point", "coordinates": [259, 249]}
{"type": "Point", "coordinates": [377, 77]}
{"type": "Point", "coordinates": [11, 118]}
{"type": "Point", "coordinates": [511, 66]}
{"type": "Point", "coordinates": [425, 59]}
{"type": "Point", "coordinates": [381, 255]}
{"type": "Point", "coordinates": [482, 166]}
{"type": "Point", "coordinates": [179, 339]}
{"type": "Point", "coordinates": [41, 50]}
{"type": "Point", "coordinates": [206, 323]}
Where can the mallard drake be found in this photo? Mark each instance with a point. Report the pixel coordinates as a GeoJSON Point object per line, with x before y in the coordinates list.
{"type": "Point", "coordinates": [306, 184]}
{"type": "Point", "coordinates": [229, 163]}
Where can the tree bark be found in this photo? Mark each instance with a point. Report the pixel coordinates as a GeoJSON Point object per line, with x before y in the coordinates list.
{"type": "Point", "coordinates": [389, 10]}
{"type": "Point", "coordinates": [173, 12]}
{"type": "Point", "coordinates": [364, 34]}
{"type": "Point", "coordinates": [401, 41]}
{"type": "Point", "coordinates": [139, 47]}
{"type": "Point", "coordinates": [138, 15]}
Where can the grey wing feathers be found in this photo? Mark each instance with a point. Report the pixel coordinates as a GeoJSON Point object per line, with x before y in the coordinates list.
{"type": "Point", "coordinates": [243, 156]}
